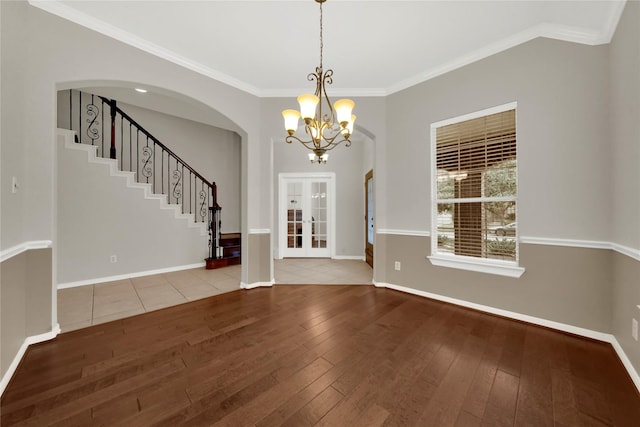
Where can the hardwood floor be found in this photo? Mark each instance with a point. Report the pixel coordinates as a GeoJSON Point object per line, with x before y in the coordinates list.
{"type": "Point", "coordinates": [319, 355]}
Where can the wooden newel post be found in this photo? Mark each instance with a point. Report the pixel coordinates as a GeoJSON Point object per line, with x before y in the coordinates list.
{"type": "Point", "coordinates": [112, 149]}
{"type": "Point", "coordinates": [215, 224]}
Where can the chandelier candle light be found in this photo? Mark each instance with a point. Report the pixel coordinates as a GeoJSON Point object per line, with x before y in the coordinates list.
{"type": "Point", "coordinates": [328, 130]}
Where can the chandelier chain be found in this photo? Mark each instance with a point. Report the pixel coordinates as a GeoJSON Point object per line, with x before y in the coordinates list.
{"type": "Point", "coordinates": [321, 41]}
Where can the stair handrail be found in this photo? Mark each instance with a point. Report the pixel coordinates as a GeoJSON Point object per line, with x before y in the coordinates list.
{"type": "Point", "coordinates": [95, 116]}
{"type": "Point", "coordinates": [150, 136]}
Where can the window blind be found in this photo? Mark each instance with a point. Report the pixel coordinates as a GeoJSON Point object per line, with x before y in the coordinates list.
{"type": "Point", "coordinates": [477, 187]}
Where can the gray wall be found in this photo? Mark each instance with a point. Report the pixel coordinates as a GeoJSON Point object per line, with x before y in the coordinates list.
{"type": "Point", "coordinates": [213, 152]}
{"type": "Point", "coordinates": [625, 152]}
{"type": "Point", "coordinates": [569, 161]}
{"type": "Point", "coordinates": [99, 216]}
{"type": "Point", "coordinates": [563, 169]}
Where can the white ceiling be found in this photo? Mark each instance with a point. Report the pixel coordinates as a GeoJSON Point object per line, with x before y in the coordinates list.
{"type": "Point", "coordinates": [375, 47]}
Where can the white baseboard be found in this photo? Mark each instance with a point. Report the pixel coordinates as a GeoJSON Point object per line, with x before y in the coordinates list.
{"type": "Point", "coordinates": [588, 333]}
{"type": "Point", "coordinates": [22, 350]}
{"type": "Point", "coordinates": [128, 276]}
{"type": "Point", "coordinates": [256, 285]}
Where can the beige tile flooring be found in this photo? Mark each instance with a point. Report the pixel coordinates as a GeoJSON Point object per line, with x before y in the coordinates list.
{"type": "Point", "coordinates": [314, 271]}
{"type": "Point", "coordinates": [103, 302]}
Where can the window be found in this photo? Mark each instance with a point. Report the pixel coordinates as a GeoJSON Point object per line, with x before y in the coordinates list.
{"type": "Point", "coordinates": [475, 192]}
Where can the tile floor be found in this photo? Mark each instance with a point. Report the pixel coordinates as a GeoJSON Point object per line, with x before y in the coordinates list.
{"type": "Point", "coordinates": [322, 271]}
{"type": "Point", "coordinates": [103, 302]}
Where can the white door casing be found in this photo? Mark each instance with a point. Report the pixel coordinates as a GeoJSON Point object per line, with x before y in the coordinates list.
{"type": "Point", "coordinates": [306, 215]}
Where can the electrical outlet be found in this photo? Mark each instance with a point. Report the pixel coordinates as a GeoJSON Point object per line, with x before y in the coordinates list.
{"type": "Point", "coordinates": [634, 329]}
{"type": "Point", "coordinates": [113, 259]}
{"type": "Point", "coordinates": [398, 265]}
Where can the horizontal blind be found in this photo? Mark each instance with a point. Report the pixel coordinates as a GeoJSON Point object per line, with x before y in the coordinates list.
{"type": "Point", "coordinates": [476, 183]}
{"type": "Point", "coordinates": [472, 146]}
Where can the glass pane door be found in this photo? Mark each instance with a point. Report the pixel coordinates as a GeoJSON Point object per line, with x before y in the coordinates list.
{"type": "Point", "coordinates": [294, 214]}
{"type": "Point", "coordinates": [319, 215]}
{"type": "Point", "coordinates": [305, 226]}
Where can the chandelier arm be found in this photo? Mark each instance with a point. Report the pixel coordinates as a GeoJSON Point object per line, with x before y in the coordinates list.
{"type": "Point", "coordinates": [310, 145]}
{"type": "Point", "coordinates": [331, 144]}
{"type": "Point", "coordinates": [327, 79]}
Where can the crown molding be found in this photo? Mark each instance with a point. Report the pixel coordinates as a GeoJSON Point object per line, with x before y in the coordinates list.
{"type": "Point", "coordinates": [66, 12]}
{"type": "Point", "coordinates": [548, 30]}
{"type": "Point", "coordinates": [552, 31]}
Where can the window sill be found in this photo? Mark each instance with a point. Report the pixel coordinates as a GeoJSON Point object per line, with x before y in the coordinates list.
{"type": "Point", "coordinates": [482, 266]}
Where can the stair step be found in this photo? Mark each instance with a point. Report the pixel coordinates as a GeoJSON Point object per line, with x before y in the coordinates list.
{"type": "Point", "coordinates": [212, 264]}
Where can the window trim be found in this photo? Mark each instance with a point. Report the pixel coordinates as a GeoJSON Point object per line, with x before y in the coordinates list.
{"type": "Point", "coordinates": [483, 265]}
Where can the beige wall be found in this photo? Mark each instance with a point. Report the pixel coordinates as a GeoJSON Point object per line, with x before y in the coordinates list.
{"type": "Point", "coordinates": [562, 284]}
{"type": "Point", "coordinates": [260, 272]}
{"type": "Point", "coordinates": [25, 299]}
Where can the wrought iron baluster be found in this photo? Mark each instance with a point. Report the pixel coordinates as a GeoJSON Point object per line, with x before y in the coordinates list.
{"type": "Point", "coordinates": [153, 165]}
{"type": "Point", "coordinates": [121, 140]}
{"type": "Point", "coordinates": [137, 155]}
{"type": "Point", "coordinates": [70, 109]}
{"type": "Point", "coordinates": [130, 148]}
{"type": "Point", "coordinates": [182, 191]}
{"type": "Point", "coordinates": [102, 128]}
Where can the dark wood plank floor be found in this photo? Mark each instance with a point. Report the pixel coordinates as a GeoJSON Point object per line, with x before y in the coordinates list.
{"type": "Point", "coordinates": [319, 355]}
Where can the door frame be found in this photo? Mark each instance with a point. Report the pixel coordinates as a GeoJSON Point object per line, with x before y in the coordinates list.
{"type": "Point", "coordinates": [283, 178]}
{"type": "Point", "coordinates": [369, 253]}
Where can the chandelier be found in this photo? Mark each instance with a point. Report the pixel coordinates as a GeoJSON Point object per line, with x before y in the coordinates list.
{"type": "Point", "coordinates": [325, 129]}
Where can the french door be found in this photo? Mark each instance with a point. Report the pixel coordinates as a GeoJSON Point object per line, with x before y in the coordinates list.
{"type": "Point", "coordinates": [306, 215]}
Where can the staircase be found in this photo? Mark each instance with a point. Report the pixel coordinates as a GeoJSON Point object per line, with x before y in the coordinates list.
{"type": "Point", "coordinates": [147, 162]}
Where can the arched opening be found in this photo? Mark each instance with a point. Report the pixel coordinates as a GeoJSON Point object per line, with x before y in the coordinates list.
{"type": "Point", "coordinates": [97, 257]}
{"type": "Point", "coordinates": [344, 259]}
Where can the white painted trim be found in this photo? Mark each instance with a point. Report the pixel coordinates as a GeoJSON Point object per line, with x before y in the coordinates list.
{"type": "Point", "coordinates": [565, 242]}
{"type": "Point", "coordinates": [600, 336]}
{"type": "Point", "coordinates": [635, 376]}
{"type": "Point", "coordinates": [34, 339]}
{"type": "Point", "coordinates": [128, 275]}
{"type": "Point", "coordinates": [480, 265]}
{"type": "Point", "coordinates": [590, 244]}
{"type": "Point", "coordinates": [257, 285]}
{"type": "Point", "coordinates": [23, 247]}
{"type": "Point", "coordinates": [625, 250]}
{"type": "Point", "coordinates": [97, 25]}
{"type": "Point", "coordinates": [306, 178]}
{"type": "Point", "coordinates": [259, 231]}
{"type": "Point", "coordinates": [554, 31]}
{"type": "Point", "coordinates": [353, 257]}
{"type": "Point", "coordinates": [419, 233]}
{"type": "Point", "coordinates": [612, 22]}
